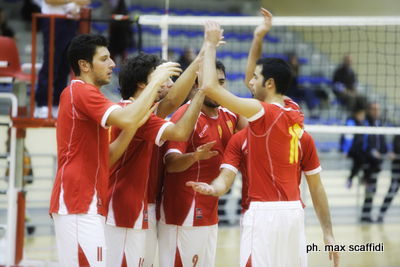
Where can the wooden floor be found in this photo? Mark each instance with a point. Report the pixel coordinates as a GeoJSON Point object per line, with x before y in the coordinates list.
{"type": "Point", "coordinates": [41, 251]}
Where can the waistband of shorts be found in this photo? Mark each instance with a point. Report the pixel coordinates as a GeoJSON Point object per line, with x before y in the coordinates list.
{"type": "Point", "coordinates": [275, 205]}
{"type": "Point", "coordinates": [151, 206]}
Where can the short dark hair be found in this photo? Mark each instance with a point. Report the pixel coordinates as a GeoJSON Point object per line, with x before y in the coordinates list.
{"type": "Point", "coordinates": [136, 70]}
{"type": "Point", "coordinates": [84, 47]}
{"type": "Point", "coordinates": [219, 65]}
{"type": "Point", "coordinates": [277, 69]}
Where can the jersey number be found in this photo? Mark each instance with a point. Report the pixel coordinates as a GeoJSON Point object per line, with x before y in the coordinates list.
{"type": "Point", "coordinates": [195, 260]}
{"type": "Point", "coordinates": [294, 131]}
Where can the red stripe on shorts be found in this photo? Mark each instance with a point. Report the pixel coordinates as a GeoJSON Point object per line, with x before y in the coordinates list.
{"type": "Point", "coordinates": [82, 257]}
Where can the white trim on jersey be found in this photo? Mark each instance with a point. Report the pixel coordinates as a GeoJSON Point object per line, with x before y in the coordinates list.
{"type": "Point", "coordinates": [110, 214]}
{"type": "Point", "coordinates": [228, 111]}
{"type": "Point", "coordinates": [244, 144]}
{"type": "Point", "coordinates": [171, 150]}
{"type": "Point", "coordinates": [229, 167]}
{"type": "Point", "coordinates": [158, 140]}
{"type": "Point", "coordinates": [93, 204]}
{"type": "Point", "coordinates": [312, 172]}
{"type": "Point", "coordinates": [106, 114]}
{"type": "Point", "coordinates": [62, 208]}
{"type": "Point", "coordinates": [189, 217]}
{"type": "Point", "coordinates": [139, 221]}
{"type": "Point", "coordinates": [257, 116]}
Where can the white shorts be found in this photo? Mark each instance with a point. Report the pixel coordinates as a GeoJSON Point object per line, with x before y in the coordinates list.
{"type": "Point", "coordinates": [192, 246]}
{"type": "Point", "coordinates": [151, 236]}
{"type": "Point", "coordinates": [80, 239]}
{"type": "Point", "coordinates": [303, 244]}
{"type": "Point", "coordinates": [125, 245]}
{"type": "Point", "coordinates": [271, 234]}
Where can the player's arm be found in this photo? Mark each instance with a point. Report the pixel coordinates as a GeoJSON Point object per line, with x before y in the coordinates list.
{"type": "Point", "coordinates": [184, 126]}
{"type": "Point", "coordinates": [242, 123]}
{"type": "Point", "coordinates": [180, 89]}
{"type": "Point", "coordinates": [118, 147]}
{"type": "Point", "coordinates": [321, 206]}
{"type": "Point", "coordinates": [218, 187]}
{"type": "Point", "coordinates": [175, 162]}
{"type": "Point", "coordinates": [128, 118]}
{"type": "Point", "coordinates": [256, 46]}
{"type": "Point", "coordinates": [243, 106]}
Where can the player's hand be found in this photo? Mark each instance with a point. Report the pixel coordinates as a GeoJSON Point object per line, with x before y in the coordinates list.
{"type": "Point", "coordinates": [203, 151]}
{"type": "Point", "coordinates": [262, 29]}
{"type": "Point", "coordinates": [202, 188]}
{"type": "Point", "coordinates": [164, 71]}
{"type": "Point", "coordinates": [213, 34]}
{"type": "Point", "coordinates": [330, 240]}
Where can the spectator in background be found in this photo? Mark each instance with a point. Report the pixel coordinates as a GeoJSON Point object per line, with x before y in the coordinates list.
{"type": "Point", "coordinates": [300, 93]}
{"type": "Point", "coordinates": [345, 84]}
{"type": "Point", "coordinates": [395, 183]}
{"type": "Point", "coordinates": [187, 57]}
{"type": "Point", "coordinates": [5, 30]}
{"type": "Point", "coordinates": [65, 30]}
{"type": "Point", "coordinates": [121, 35]}
{"type": "Point", "coordinates": [374, 147]}
{"type": "Point", "coordinates": [351, 145]}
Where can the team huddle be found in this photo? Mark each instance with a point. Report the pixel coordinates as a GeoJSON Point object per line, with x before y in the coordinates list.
{"type": "Point", "coordinates": [128, 179]}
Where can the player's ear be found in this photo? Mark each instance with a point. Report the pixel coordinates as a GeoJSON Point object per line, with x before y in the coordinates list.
{"type": "Point", "coordinates": [84, 65]}
{"type": "Point", "coordinates": [269, 83]}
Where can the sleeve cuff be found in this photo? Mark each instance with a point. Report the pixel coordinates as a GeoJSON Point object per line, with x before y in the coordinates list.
{"type": "Point", "coordinates": [312, 172]}
{"type": "Point", "coordinates": [106, 114]}
{"type": "Point", "coordinates": [158, 141]}
{"type": "Point", "coordinates": [172, 150]}
{"type": "Point", "coordinates": [257, 116]}
{"type": "Point", "coordinates": [230, 167]}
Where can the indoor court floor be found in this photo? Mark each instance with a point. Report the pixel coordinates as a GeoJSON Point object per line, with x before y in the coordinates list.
{"type": "Point", "coordinates": [41, 250]}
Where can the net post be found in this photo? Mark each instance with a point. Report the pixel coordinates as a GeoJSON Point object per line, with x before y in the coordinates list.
{"type": "Point", "coordinates": [164, 36]}
{"type": "Point", "coordinates": [84, 23]}
{"type": "Point", "coordinates": [11, 192]}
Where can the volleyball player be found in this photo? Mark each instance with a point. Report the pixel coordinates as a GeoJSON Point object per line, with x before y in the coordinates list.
{"type": "Point", "coordinates": [79, 192]}
{"type": "Point", "coordinates": [273, 134]}
{"type": "Point", "coordinates": [188, 221]}
{"type": "Point", "coordinates": [127, 216]}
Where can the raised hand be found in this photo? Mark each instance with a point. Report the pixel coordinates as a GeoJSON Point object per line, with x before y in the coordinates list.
{"type": "Point", "coordinates": [202, 188]}
{"type": "Point", "coordinates": [212, 32]}
{"type": "Point", "coordinates": [203, 151]}
{"type": "Point", "coordinates": [262, 29]}
{"type": "Point", "coordinates": [164, 71]}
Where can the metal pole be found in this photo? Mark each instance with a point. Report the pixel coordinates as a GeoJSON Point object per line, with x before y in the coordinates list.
{"type": "Point", "coordinates": [11, 192]}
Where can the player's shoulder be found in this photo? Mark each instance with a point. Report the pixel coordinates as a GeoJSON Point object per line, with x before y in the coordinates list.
{"type": "Point", "coordinates": [306, 139]}
{"type": "Point", "coordinates": [227, 113]}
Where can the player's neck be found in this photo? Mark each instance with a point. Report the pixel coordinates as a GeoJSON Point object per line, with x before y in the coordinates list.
{"type": "Point", "coordinates": [87, 79]}
{"type": "Point", "coordinates": [211, 112]}
{"type": "Point", "coordinates": [275, 98]}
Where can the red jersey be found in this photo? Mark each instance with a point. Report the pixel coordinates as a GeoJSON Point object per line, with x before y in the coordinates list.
{"type": "Point", "coordinates": [82, 149]}
{"type": "Point", "coordinates": [236, 153]}
{"type": "Point", "coordinates": [235, 157]}
{"type": "Point", "coordinates": [127, 188]}
{"type": "Point", "coordinates": [273, 136]}
{"type": "Point", "coordinates": [157, 172]}
{"type": "Point", "coordinates": [180, 205]}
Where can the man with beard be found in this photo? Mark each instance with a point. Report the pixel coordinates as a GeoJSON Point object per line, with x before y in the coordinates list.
{"type": "Point", "coordinates": [184, 216]}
